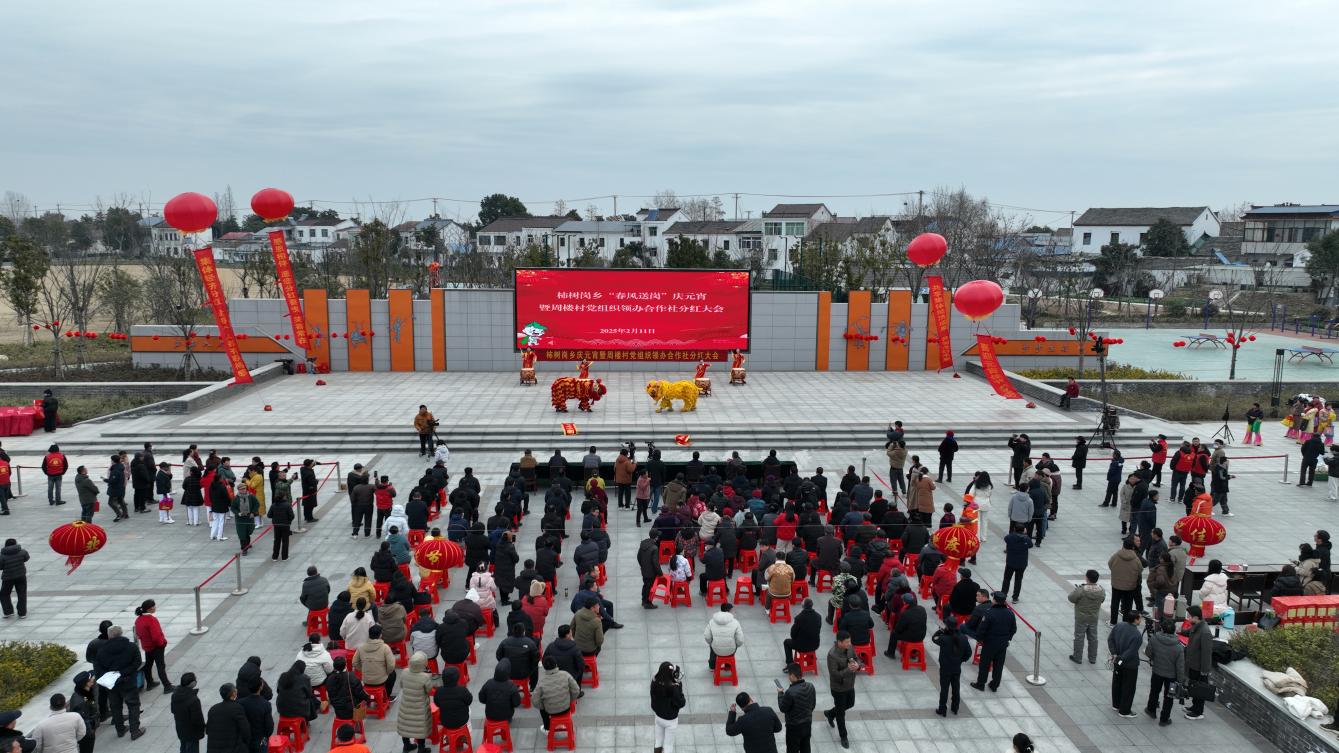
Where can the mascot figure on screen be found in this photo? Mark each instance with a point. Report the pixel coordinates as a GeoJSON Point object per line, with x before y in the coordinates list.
{"type": "Point", "coordinates": [584, 391]}
{"type": "Point", "coordinates": [664, 392]}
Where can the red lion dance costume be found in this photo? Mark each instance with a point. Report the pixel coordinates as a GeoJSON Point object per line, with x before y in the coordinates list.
{"type": "Point", "coordinates": [584, 391]}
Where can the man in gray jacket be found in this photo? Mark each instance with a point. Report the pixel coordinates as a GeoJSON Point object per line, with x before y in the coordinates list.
{"type": "Point", "coordinates": [1087, 599]}
{"type": "Point", "coordinates": [842, 668]}
{"type": "Point", "coordinates": [1180, 557]}
{"type": "Point", "coordinates": [1124, 642]}
{"type": "Point", "coordinates": [1167, 659]}
{"type": "Point", "coordinates": [88, 493]}
{"type": "Point", "coordinates": [1199, 658]}
{"type": "Point", "coordinates": [61, 731]}
{"type": "Point", "coordinates": [1020, 506]}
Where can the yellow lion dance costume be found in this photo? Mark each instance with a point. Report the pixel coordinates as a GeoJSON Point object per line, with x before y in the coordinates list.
{"type": "Point", "coordinates": [664, 392]}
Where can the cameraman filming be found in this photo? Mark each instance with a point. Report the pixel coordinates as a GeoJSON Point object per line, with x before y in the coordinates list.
{"type": "Point", "coordinates": [426, 425]}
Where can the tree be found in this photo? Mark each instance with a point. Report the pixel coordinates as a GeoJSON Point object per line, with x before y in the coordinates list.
{"type": "Point", "coordinates": [122, 298]}
{"type": "Point", "coordinates": [122, 231]}
{"type": "Point", "coordinates": [1323, 265]}
{"type": "Point", "coordinates": [375, 258]}
{"type": "Point", "coordinates": [7, 228]}
{"type": "Point", "coordinates": [227, 216]}
{"type": "Point", "coordinates": [559, 208]}
{"type": "Point", "coordinates": [588, 257]}
{"type": "Point", "coordinates": [83, 233]}
{"type": "Point", "coordinates": [178, 299]}
{"type": "Point", "coordinates": [572, 214]}
{"type": "Point", "coordinates": [819, 262]}
{"type": "Point", "coordinates": [325, 273]}
{"type": "Point", "coordinates": [22, 282]}
{"type": "Point", "coordinates": [499, 205]}
{"type": "Point", "coordinates": [870, 262]}
{"type": "Point", "coordinates": [258, 276]}
{"type": "Point", "coordinates": [1165, 239]}
{"type": "Point", "coordinates": [48, 231]}
{"type": "Point", "coordinates": [253, 223]}
{"type": "Point", "coordinates": [535, 255]}
{"type": "Point", "coordinates": [76, 281]}
{"type": "Point", "coordinates": [703, 210]}
{"type": "Point", "coordinates": [721, 259]}
{"type": "Point", "coordinates": [1117, 268]}
{"type": "Point", "coordinates": [686, 253]}
{"type": "Point", "coordinates": [16, 206]}
{"type": "Point", "coordinates": [1233, 212]}
{"type": "Point", "coordinates": [1039, 229]}
{"type": "Point", "coordinates": [665, 199]}
{"type": "Point", "coordinates": [634, 255]}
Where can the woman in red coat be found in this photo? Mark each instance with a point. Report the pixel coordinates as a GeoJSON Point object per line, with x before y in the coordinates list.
{"type": "Point", "coordinates": [154, 643]}
{"type": "Point", "coordinates": [536, 606]}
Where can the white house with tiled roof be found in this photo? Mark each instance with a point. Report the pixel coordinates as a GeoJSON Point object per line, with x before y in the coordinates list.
{"type": "Point", "coordinates": [784, 227]}
{"type": "Point", "coordinates": [1101, 226]}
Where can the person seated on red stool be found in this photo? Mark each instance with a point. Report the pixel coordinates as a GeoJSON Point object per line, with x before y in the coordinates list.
{"type": "Point", "coordinates": [713, 567]}
{"type": "Point", "coordinates": [591, 593]}
{"type": "Point", "coordinates": [423, 638]}
{"type": "Point", "coordinates": [453, 704]}
{"type": "Point", "coordinates": [588, 629]}
{"type": "Point", "coordinates": [315, 591]}
{"type": "Point", "coordinates": [345, 691]}
{"type": "Point", "coordinates": [804, 632]}
{"type": "Point", "coordinates": [522, 655]}
{"type": "Point", "coordinates": [499, 695]}
{"type": "Point", "coordinates": [968, 626]}
{"type": "Point", "coordinates": [856, 619]}
{"type": "Point", "coordinates": [778, 576]}
{"type": "Point", "coordinates": [316, 660]}
{"type": "Point", "coordinates": [565, 652]}
{"type": "Point", "coordinates": [962, 599]}
{"type": "Point", "coordinates": [723, 634]}
{"type": "Point", "coordinates": [375, 661]}
{"type": "Point", "coordinates": [910, 625]}
{"type": "Point", "coordinates": [346, 739]}
{"type": "Point", "coordinates": [555, 693]}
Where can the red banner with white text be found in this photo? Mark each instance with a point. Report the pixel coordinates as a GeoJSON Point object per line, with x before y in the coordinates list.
{"type": "Point", "coordinates": [990, 364]}
{"type": "Point", "coordinates": [218, 302]}
{"type": "Point", "coordinates": [939, 320]}
{"type": "Point", "coordinates": [288, 285]}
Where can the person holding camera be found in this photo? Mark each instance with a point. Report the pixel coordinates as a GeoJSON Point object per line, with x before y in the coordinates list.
{"type": "Point", "coordinates": [1167, 659]}
{"type": "Point", "coordinates": [425, 424]}
{"type": "Point", "coordinates": [666, 701]}
{"type": "Point", "coordinates": [953, 651]}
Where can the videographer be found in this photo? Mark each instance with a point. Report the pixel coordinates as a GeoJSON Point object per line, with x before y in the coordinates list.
{"type": "Point", "coordinates": [425, 424]}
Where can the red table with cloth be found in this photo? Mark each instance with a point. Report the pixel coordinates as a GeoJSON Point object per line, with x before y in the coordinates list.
{"type": "Point", "coordinates": [18, 422]}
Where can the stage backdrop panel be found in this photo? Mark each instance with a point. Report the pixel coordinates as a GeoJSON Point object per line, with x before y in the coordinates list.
{"type": "Point", "coordinates": [631, 314]}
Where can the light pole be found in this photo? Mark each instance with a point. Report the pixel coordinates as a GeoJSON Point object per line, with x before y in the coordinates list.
{"type": "Point", "coordinates": [1033, 296]}
{"type": "Point", "coordinates": [1214, 295]}
{"type": "Point", "coordinates": [1153, 295]}
{"type": "Point", "coordinates": [1095, 295]}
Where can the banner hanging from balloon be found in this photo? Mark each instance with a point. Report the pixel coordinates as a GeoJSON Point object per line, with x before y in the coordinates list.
{"type": "Point", "coordinates": [218, 302]}
{"type": "Point", "coordinates": [288, 285]}
{"type": "Point", "coordinates": [990, 364]}
{"type": "Point", "coordinates": [939, 320]}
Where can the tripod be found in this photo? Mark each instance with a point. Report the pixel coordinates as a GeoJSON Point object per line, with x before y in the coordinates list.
{"type": "Point", "coordinates": [1225, 431]}
{"type": "Point", "coordinates": [1105, 433]}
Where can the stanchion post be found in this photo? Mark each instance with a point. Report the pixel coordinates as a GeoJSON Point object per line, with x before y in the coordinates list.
{"type": "Point", "coordinates": [240, 590]}
{"type": "Point", "coordinates": [1286, 458]}
{"type": "Point", "coordinates": [18, 482]}
{"type": "Point", "coordinates": [200, 628]}
{"type": "Point", "coordinates": [1035, 678]}
{"type": "Point", "coordinates": [862, 465]}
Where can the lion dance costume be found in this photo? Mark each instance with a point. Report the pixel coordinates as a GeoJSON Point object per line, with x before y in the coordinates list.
{"type": "Point", "coordinates": [665, 392]}
{"type": "Point", "coordinates": [584, 391]}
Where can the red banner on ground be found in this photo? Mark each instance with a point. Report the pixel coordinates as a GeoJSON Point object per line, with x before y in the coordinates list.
{"type": "Point", "coordinates": [288, 285]}
{"type": "Point", "coordinates": [939, 320]}
{"type": "Point", "coordinates": [990, 364]}
{"type": "Point", "coordinates": [218, 302]}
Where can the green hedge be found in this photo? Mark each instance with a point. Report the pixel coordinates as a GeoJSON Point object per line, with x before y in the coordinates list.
{"type": "Point", "coordinates": [1114, 371]}
{"type": "Point", "coordinates": [28, 668]}
{"type": "Point", "coordinates": [1312, 651]}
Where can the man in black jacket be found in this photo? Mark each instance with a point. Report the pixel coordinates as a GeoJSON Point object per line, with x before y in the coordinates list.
{"type": "Point", "coordinates": [830, 552]}
{"type": "Point", "coordinates": [758, 724]}
{"type": "Point", "coordinates": [309, 488]}
{"type": "Point", "coordinates": [648, 561]}
{"type": "Point", "coordinates": [565, 652]}
{"type": "Point", "coordinates": [713, 567]}
{"type": "Point", "coordinates": [522, 653]}
{"type": "Point", "coordinates": [586, 556]}
{"type": "Point", "coordinates": [227, 729]}
{"type": "Point", "coordinates": [910, 626]}
{"type": "Point", "coordinates": [118, 654]}
{"type": "Point", "coordinates": [962, 599]}
{"type": "Point", "coordinates": [315, 591]}
{"type": "Point", "coordinates": [187, 716]}
{"type": "Point", "coordinates": [1124, 642]}
{"type": "Point", "coordinates": [797, 702]}
{"type": "Point", "coordinates": [259, 717]}
{"type": "Point", "coordinates": [804, 632]}
{"type": "Point", "coordinates": [997, 628]}
{"type": "Point", "coordinates": [798, 559]}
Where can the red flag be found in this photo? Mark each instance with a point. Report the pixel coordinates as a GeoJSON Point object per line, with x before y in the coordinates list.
{"type": "Point", "coordinates": [990, 363]}
{"type": "Point", "coordinates": [939, 319]}
{"type": "Point", "coordinates": [209, 273]}
{"type": "Point", "coordinates": [683, 440]}
{"type": "Point", "coordinates": [283, 267]}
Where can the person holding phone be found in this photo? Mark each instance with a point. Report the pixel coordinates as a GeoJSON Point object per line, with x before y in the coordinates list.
{"type": "Point", "coordinates": [797, 703]}
{"type": "Point", "coordinates": [666, 701]}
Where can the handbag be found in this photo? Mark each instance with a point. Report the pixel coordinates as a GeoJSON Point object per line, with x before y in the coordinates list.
{"type": "Point", "coordinates": [359, 710]}
{"type": "Point", "coordinates": [1201, 690]}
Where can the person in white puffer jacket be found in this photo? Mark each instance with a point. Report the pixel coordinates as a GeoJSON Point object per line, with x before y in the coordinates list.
{"type": "Point", "coordinates": [316, 660]}
{"type": "Point", "coordinates": [723, 634]}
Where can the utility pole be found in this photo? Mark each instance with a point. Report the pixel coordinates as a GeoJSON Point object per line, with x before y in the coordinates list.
{"type": "Point", "coordinates": [736, 206]}
{"type": "Point", "coordinates": [920, 204]}
{"type": "Point", "coordinates": [434, 207]}
{"type": "Point", "coordinates": [615, 205]}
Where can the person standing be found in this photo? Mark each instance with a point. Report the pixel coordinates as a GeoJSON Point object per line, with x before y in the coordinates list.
{"type": "Point", "coordinates": [1254, 417]}
{"type": "Point", "coordinates": [307, 476]}
{"type": "Point", "coordinates": [119, 655]}
{"type": "Point", "coordinates": [1078, 461]}
{"type": "Point", "coordinates": [13, 579]}
{"type": "Point", "coordinates": [623, 470]}
{"type": "Point", "coordinates": [643, 494]}
{"type": "Point", "coordinates": [667, 699]}
{"type": "Point", "coordinates": [1087, 598]}
{"type": "Point", "coordinates": [424, 425]}
{"type": "Point", "coordinates": [758, 725]}
{"type": "Point", "coordinates": [1016, 546]}
{"type": "Point", "coordinates": [50, 411]}
{"type": "Point", "coordinates": [220, 504]}
{"type": "Point", "coordinates": [1199, 658]}
{"type": "Point", "coordinates": [116, 488]}
{"type": "Point", "coordinates": [5, 493]}
{"type": "Point", "coordinates": [797, 703]}
{"type": "Point", "coordinates": [154, 644]}
{"type": "Point", "coordinates": [88, 493]}
{"type": "Point", "coordinates": [1158, 447]}
{"type": "Point", "coordinates": [245, 508]}
{"type": "Point", "coordinates": [54, 465]}
{"type": "Point", "coordinates": [1219, 479]}
{"type": "Point", "coordinates": [1167, 661]}
{"type": "Point", "coordinates": [948, 447]}
{"type": "Point", "coordinates": [187, 715]}
{"type": "Point", "coordinates": [1115, 475]}
{"type": "Point", "coordinates": [995, 631]}
{"type": "Point", "coordinates": [227, 728]}
{"type": "Point", "coordinates": [656, 468]}
{"type": "Point", "coordinates": [842, 669]}
{"type": "Point", "coordinates": [953, 651]}
{"type": "Point", "coordinates": [413, 718]}
{"type": "Point", "coordinates": [84, 703]}
{"type": "Point", "coordinates": [648, 561]}
{"type": "Point", "coordinates": [1126, 571]}
{"type": "Point", "coordinates": [61, 731]}
{"type": "Point", "coordinates": [897, 463]}
{"type": "Point", "coordinates": [362, 500]}
{"type": "Point", "coordinates": [1124, 642]}
{"type": "Point", "coordinates": [281, 517]}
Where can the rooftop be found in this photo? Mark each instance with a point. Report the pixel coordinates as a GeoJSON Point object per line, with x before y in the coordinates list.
{"type": "Point", "coordinates": [318, 222]}
{"type": "Point", "coordinates": [703, 227]}
{"type": "Point", "coordinates": [513, 224]}
{"type": "Point", "coordinates": [794, 210]}
{"type": "Point", "coordinates": [837, 232]}
{"type": "Point", "coordinates": [1331, 210]}
{"type": "Point", "coordinates": [1139, 216]}
{"type": "Point", "coordinates": [613, 227]}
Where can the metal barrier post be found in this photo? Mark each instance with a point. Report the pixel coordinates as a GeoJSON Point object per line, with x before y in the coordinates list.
{"type": "Point", "coordinates": [1035, 678]}
{"type": "Point", "coordinates": [1286, 458]}
{"type": "Point", "coordinates": [18, 482]}
{"type": "Point", "coordinates": [237, 560]}
{"type": "Point", "coordinates": [339, 477]}
{"type": "Point", "coordinates": [200, 628]}
{"type": "Point", "coordinates": [862, 465]}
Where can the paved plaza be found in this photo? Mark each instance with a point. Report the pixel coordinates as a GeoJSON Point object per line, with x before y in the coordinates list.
{"type": "Point", "coordinates": [894, 710]}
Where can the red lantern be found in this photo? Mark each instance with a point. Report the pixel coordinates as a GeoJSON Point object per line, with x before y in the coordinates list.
{"type": "Point", "coordinates": [957, 541]}
{"type": "Point", "coordinates": [77, 540]}
{"type": "Point", "coordinates": [1040, 338]}
{"type": "Point", "coordinates": [272, 204]}
{"type": "Point", "coordinates": [978, 299]}
{"type": "Point", "coordinates": [155, 337]}
{"type": "Point", "coordinates": [1251, 338]}
{"type": "Point", "coordinates": [190, 212]}
{"type": "Point", "coordinates": [926, 249]}
{"type": "Point", "coordinates": [36, 327]}
{"type": "Point", "coordinates": [320, 382]}
{"type": "Point", "coordinates": [439, 555]}
{"type": "Point", "coordinates": [1199, 531]}
{"type": "Point", "coordinates": [1073, 331]}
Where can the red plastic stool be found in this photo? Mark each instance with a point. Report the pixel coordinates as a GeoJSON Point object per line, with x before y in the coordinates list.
{"type": "Point", "coordinates": [401, 651]}
{"type": "Point", "coordinates": [280, 744]}
{"type": "Point", "coordinates": [779, 611]}
{"type": "Point", "coordinates": [680, 594]}
{"type": "Point", "coordinates": [836, 620]}
{"type": "Point", "coordinates": [320, 692]}
{"type": "Point", "coordinates": [667, 550]}
{"type": "Point", "coordinates": [488, 622]}
{"type": "Point", "coordinates": [359, 734]}
{"type": "Point", "coordinates": [925, 588]}
{"type": "Point", "coordinates": [464, 669]}
{"type": "Point", "coordinates": [872, 584]}
{"type": "Point", "coordinates": [318, 621]}
{"type": "Point", "coordinates": [524, 687]}
{"type": "Point", "coordinates": [909, 564]}
{"type": "Point", "coordinates": [909, 650]}
{"type": "Point", "coordinates": [433, 667]}
{"type": "Point", "coordinates": [799, 591]}
{"type": "Point", "coordinates": [591, 676]}
{"type": "Point", "coordinates": [404, 569]}
{"type": "Point", "coordinates": [718, 675]}
{"type": "Point", "coordinates": [499, 731]}
{"type": "Point", "coordinates": [601, 577]}
{"type": "Point", "coordinates": [381, 590]}
{"type": "Point", "coordinates": [717, 593]}
{"type": "Point", "coordinates": [744, 590]}
{"type": "Point", "coordinates": [865, 654]}
{"type": "Point", "coordinates": [976, 654]}
{"type": "Point", "coordinates": [415, 538]}
{"type": "Point", "coordinates": [660, 589]}
{"type": "Point", "coordinates": [456, 740]}
{"type": "Point", "coordinates": [748, 560]}
{"type": "Point", "coordinates": [379, 702]}
{"type": "Point", "coordinates": [824, 581]}
{"type": "Point", "coordinates": [808, 661]}
{"type": "Point", "coordinates": [562, 723]}
{"type": "Point", "coordinates": [295, 728]}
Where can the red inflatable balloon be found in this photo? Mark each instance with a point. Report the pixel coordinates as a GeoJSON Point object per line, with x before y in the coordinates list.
{"type": "Point", "coordinates": [190, 212]}
{"type": "Point", "coordinates": [926, 249]}
{"type": "Point", "coordinates": [272, 204]}
{"type": "Point", "coordinates": [978, 299]}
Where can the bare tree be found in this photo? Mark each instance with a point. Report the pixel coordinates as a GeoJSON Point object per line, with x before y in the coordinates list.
{"type": "Point", "coordinates": [703, 210]}
{"type": "Point", "coordinates": [1233, 212]}
{"type": "Point", "coordinates": [122, 298]}
{"type": "Point", "coordinates": [258, 276]}
{"type": "Point", "coordinates": [664, 199]}
{"type": "Point", "coordinates": [16, 206]}
{"type": "Point", "coordinates": [177, 299]}
{"type": "Point", "coordinates": [76, 281]}
{"type": "Point", "coordinates": [559, 208]}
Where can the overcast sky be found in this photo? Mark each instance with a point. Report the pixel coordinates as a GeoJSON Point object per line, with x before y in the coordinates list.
{"type": "Point", "coordinates": [1050, 105]}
